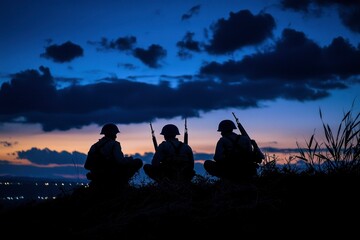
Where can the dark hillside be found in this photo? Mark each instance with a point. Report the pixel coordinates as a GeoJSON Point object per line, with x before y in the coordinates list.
{"type": "Point", "coordinates": [269, 206]}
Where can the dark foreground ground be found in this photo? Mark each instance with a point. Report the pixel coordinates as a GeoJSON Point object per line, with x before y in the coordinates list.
{"type": "Point", "coordinates": [292, 207]}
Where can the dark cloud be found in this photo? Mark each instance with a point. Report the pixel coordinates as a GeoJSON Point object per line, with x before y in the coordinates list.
{"type": "Point", "coordinates": [296, 5]}
{"type": "Point", "coordinates": [65, 52]}
{"type": "Point", "coordinates": [349, 10]}
{"type": "Point", "coordinates": [7, 143]}
{"type": "Point", "coordinates": [47, 156]}
{"type": "Point", "coordinates": [122, 43]}
{"type": "Point", "coordinates": [127, 66]}
{"type": "Point", "coordinates": [295, 68]}
{"type": "Point", "coordinates": [350, 17]}
{"type": "Point", "coordinates": [187, 45]}
{"type": "Point", "coordinates": [269, 150]}
{"type": "Point", "coordinates": [192, 11]}
{"type": "Point", "coordinates": [228, 35]}
{"type": "Point", "coordinates": [66, 81]}
{"type": "Point", "coordinates": [28, 90]}
{"type": "Point", "coordinates": [47, 164]}
{"type": "Point", "coordinates": [241, 29]}
{"type": "Point", "coordinates": [116, 100]}
{"type": "Point", "coordinates": [150, 56]}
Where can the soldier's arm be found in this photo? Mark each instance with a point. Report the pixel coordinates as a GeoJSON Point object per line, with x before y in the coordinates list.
{"type": "Point", "coordinates": [118, 154]}
{"type": "Point", "coordinates": [219, 150]}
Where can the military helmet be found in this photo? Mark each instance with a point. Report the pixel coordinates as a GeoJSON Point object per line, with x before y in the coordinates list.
{"type": "Point", "coordinates": [170, 129]}
{"type": "Point", "coordinates": [109, 128]}
{"type": "Point", "coordinates": [226, 125]}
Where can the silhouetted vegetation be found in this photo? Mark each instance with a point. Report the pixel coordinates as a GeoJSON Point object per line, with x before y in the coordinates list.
{"type": "Point", "coordinates": [337, 154]}
{"type": "Point", "coordinates": [320, 198]}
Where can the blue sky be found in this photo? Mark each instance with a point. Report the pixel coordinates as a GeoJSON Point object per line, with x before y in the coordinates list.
{"type": "Point", "coordinates": [68, 67]}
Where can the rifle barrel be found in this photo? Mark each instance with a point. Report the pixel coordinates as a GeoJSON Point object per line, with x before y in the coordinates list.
{"type": "Point", "coordinates": [186, 137]}
{"type": "Point", "coordinates": [243, 132]}
{"type": "Point", "coordinates": [153, 137]}
{"type": "Point", "coordinates": [240, 127]}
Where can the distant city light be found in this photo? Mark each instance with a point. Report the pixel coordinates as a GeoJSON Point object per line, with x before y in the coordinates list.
{"type": "Point", "coordinates": [30, 190]}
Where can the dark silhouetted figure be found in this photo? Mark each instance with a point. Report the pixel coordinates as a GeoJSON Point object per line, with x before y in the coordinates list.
{"type": "Point", "coordinates": [107, 165]}
{"type": "Point", "coordinates": [173, 160]}
{"type": "Point", "coordinates": [234, 155]}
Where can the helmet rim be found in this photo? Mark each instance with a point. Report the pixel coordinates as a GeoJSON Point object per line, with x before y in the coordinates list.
{"type": "Point", "coordinates": [109, 128]}
{"type": "Point", "coordinates": [170, 129]}
{"type": "Point", "coordinates": [226, 125]}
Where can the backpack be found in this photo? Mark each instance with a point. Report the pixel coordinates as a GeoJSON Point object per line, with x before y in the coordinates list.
{"type": "Point", "coordinates": [177, 157]}
{"type": "Point", "coordinates": [178, 166]}
{"type": "Point", "coordinates": [95, 160]}
{"type": "Point", "coordinates": [237, 154]}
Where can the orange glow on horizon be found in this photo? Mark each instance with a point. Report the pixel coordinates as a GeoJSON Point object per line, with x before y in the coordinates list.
{"type": "Point", "coordinates": [134, 138]}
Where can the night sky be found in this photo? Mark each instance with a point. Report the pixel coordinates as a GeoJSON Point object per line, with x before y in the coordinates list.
{"type": "Point", "coordinates": [68, 67]}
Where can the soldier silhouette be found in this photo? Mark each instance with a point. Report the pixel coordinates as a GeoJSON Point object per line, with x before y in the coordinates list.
{"type": "Point", "coordinates": [173, 160]}
{"type": "Point", "coordinates": [234, 157]}
{"type": "Point", "coordinates": [107, 165]}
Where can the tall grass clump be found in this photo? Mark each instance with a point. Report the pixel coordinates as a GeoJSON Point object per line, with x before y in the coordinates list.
{"type": "Point", "coordinates": [339, 152]}
{"type": "Point", "coordinates": [271, 168]}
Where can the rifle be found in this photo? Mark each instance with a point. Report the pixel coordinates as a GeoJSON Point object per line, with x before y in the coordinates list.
{"type": "Point", "coordinates": [186, 133]}
{"type": "Point", "coordinates": [242, 130]}
{"type": "Point", "coordinates": [153, 137]}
